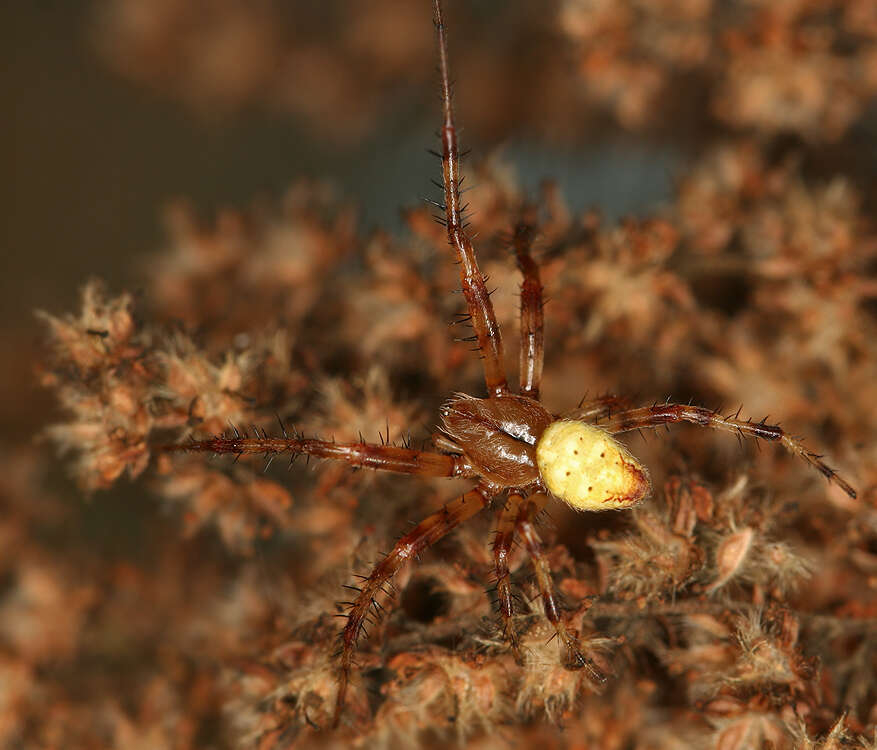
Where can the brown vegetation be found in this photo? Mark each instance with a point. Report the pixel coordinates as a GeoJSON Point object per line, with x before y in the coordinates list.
{"type": "Point", "coordinates": [737, 608]}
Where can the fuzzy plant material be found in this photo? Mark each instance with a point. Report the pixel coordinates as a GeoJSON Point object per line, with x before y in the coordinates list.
{"type": "Point", "coordinates": [735, 607]}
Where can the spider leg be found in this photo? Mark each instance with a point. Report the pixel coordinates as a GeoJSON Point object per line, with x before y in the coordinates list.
{"type": "Point", "coordinates": [472, 282]}
{"type": "Point", "coordinates": [422, 536]}
{"type": "Point", "coordinates": [532, 352]}
{"type": "Point", "coordinates": [651, 416]}
{"type": "Point", "coordinates": [572, 656]}
{"type": "Point", "coordinates": [502, 545]}
{"type": "Point", "coordinates": [360, 455]}
{"type": "Point", "coordinates": [598, 408]}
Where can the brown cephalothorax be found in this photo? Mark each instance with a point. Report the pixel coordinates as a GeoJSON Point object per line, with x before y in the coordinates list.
{"type": "Point", "coordinates": [509, 444]}
{"type": "Point", "coordinates": [498, 436]}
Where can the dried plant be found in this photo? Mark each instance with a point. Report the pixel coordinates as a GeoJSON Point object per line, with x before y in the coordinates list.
{"type": "Point", "coordinates": [798, 67]}
{"type": "Point", "coordinates": [795, 67]}
{"type": "Point", "coordinates": [734, 608]}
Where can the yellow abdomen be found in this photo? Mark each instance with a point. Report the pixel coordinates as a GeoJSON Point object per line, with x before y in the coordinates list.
{"type": "Point", "coordinates": [588, 469]}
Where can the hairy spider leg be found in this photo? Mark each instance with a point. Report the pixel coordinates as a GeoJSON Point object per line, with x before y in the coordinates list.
{"type": "Point", "coordinates": [571, 654]}
{"type": "Point", "coordinates": [598, 408]}
{"type": "Point", "coordinates": [502, 546]}
{"type": "Point", "coordinates": [360, 455]}
{"type": "Point", "coordinates": [532, 353]}
{"type": "Point", "coordinates": [652, 416]}
{"type": "Point", "coordinates": [472, 282]}
{"type": "Point", "coordinates": [421, 537]}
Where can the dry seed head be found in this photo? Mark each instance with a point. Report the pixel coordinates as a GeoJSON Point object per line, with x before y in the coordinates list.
{"type": "Point", "coordinates": [588, 469]}
{"type": "Point", "coordinates": [731, 555]}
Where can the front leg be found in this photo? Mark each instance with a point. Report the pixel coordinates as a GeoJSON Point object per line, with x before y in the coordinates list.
{"type": "Point", "coordinates": [532, 353]}
{"type": "Point", "coordinates": [359, 455]}
{"type": "Point", "coordinates": [481, 313]}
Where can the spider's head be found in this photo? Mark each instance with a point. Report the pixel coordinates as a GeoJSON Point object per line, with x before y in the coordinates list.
{"type": "Point", "coordinates": [588, 469]}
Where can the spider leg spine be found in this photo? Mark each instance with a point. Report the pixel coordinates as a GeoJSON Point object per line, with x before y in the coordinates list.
{"type": "Point", "coordinates": [364, 455]}
{"type": "Point", "coordinates": [471, 279]}
{"type": "Point", "coordinates": [669, 413]}
{"type": "Point", "coordinates": [424, 535]}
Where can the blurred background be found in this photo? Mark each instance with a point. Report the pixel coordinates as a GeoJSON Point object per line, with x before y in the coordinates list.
{"type": "Point", "coordinates": [115, 109]}
{"type": "Point", "coordinates": [120, 111]}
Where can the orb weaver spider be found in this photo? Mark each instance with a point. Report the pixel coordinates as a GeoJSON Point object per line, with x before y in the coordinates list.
{"type": "Point", "coordinates": [508, 443]}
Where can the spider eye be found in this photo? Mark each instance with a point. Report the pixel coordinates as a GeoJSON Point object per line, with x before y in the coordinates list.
{"type": "Point", "coordinates": [588, 469]}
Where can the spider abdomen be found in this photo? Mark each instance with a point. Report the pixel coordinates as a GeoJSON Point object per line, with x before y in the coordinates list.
{"type": "Point", "coordinates": [498, 436]}
{"type": "Point", "coordinates": [588, 469]}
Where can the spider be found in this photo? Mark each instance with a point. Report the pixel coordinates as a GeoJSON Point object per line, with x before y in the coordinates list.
{"type": "Point", "coordinates": [506, 443]}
